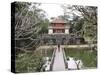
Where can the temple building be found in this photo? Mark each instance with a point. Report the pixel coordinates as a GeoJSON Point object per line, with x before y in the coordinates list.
{"type": "Point", "coordinates": [58, 26]}
{"type": "Point", "coordinates": [58, 33]}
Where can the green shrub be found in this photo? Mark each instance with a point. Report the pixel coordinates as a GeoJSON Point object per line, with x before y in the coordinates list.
{"type": "Point", "coordinates": [31, 61]}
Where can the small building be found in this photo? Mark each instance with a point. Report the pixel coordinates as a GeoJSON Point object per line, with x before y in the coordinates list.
{"type": "Point", "coordinates": [58, 26]}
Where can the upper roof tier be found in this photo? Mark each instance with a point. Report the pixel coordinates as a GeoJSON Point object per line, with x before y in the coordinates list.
{"type": "Point", "coordinates": [58, 21]}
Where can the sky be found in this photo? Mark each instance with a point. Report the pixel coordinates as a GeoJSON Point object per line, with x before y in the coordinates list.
{"type": "Point", "coordinates": [52, 10]}
{"type": "Point", "coordinates": [55, 10]}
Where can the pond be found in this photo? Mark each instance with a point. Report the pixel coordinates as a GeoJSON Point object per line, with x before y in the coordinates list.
{"type": "Point", "coordinates": [86, 55]}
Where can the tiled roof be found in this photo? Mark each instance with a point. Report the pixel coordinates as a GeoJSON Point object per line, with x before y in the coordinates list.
{"type": "Point", "coordinates": [58, 21]}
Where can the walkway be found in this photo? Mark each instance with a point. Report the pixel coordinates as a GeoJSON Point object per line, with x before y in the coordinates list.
{"type": "Point", "coordinates": [59, 64]}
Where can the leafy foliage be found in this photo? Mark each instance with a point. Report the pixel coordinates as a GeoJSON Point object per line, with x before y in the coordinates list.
{"type": "Point", "coordinates": [83, 21]}
{"type": "Point", "coordinates": [32, 61]}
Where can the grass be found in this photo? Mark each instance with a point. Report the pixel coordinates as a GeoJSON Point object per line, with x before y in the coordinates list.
{"type": "Point", "coordinates": [31, 61]}
{"type": "Point", "coordinates": [88, 57]}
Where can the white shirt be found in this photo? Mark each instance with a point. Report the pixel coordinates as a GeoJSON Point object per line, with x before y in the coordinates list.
{"type": "Point", "coordinates": [72, 64]}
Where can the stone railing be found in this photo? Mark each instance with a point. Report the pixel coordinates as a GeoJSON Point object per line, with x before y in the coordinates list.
{"type": "Point", "coordinates": [64, 56]}
{"type": "Point", "coordinates": [52, 60]}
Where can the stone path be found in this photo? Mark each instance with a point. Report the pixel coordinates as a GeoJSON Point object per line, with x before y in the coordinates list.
{"type": "Point", "coordinates": [59, 64]}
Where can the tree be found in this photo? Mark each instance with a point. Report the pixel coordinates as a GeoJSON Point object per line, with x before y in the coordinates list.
{"type": "Point", "coordinates": [44, 27]}
{"type": "Point", "coordinates": [89, 14]}
{"type": "Point", "coordinates": [84, 20]}
{"type": "Point", "coordinates": [29, 20]}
